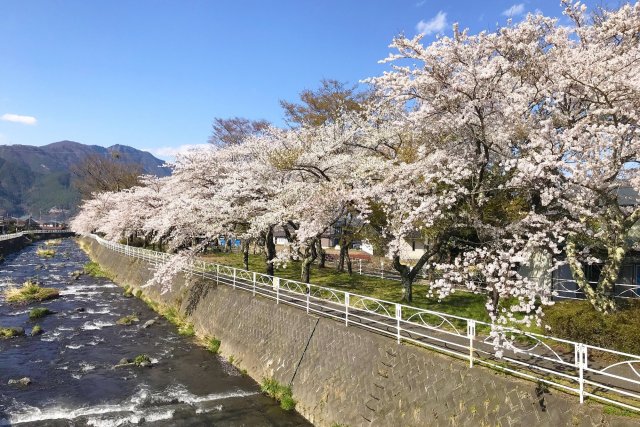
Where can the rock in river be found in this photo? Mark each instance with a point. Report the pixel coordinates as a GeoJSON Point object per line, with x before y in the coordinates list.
{"type": "Point", "coordinates": [22, 381]}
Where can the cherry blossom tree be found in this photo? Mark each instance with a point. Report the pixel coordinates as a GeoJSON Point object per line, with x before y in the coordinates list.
{"type": "Point", "coordinates": [494, 148]}
{"type": "Point", "coordinates": [584, 149]}
{"type": "Point", "coordinates": [317, 166]}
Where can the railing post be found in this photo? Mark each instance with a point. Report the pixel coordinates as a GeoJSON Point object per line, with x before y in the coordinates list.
{"type": "Point", "coordinates": [254, 283]}
{"type": "Point", "coordinates": [359, 266]}
{"type": "Point", "coordinates": [217, 274]}
{"type": "Point", "coordinates": [398, 318]}
{"type": "Point", "coordinates": [308, 296]}
{"type": "Point", "coordinates": [382, 269]}
{"type": "Point", "coordinates": [346, 308]}
{"type": "Point", "coordinates": [234, 277]}
{"type": "Point", "coordinates": [579, 363]}
{"type": "Point", "coordinates": [276, 286]}
{"type": "Point", "coordinates": [471, 333]}
{"type": "Point", "coordinates": [204, 268]}
{"type": "Point", "coordinates": [584, 366]}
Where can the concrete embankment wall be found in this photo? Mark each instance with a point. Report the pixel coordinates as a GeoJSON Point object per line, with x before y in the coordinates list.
{"type": "Point", "coordinates": [13, 245]}
{"type": "Point", "coordinates": [350, 376]}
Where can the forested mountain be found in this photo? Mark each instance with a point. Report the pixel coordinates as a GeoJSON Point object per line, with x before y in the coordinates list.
{"type": "Point", "coordinates": [34, 180]}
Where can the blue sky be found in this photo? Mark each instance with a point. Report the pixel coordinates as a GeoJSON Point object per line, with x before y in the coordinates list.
{"type": "Point", "coordinates": [153, 74]}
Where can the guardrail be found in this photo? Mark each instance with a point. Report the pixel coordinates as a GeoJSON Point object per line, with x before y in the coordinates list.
{"type": "Point", "coordinates": [26, 233]}
{"type": "Point", "coordinates": [588, 371]}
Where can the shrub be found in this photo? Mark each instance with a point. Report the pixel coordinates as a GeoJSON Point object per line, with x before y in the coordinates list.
{"type": "Point", "coordinates": [127, 320]}
{"type": "Point", "coordinates": [281, 393]}
{"type": "Point", "coordinates": [37, 313]}
{"type": "Point", "coordinates": [142, 360]}
{"type": "Point", "coordinates": [11, 332]}
{"type": "Point", "coordinates": [579, 321]}
{"type": "Point", "coordinates": [36, 330]}
{"type": "Point", "coordinates": [186, 330]}
{"type": "Point", "coordinates": [213, 345]}
{"type": "Point", "coordinates": [173, 316]}
{"type": "Point", "coordinates": [45, 253]}
{"type": "Point", "coordinates": [30, 292]}
{"type": "Point", "coordinates": [93, 269]}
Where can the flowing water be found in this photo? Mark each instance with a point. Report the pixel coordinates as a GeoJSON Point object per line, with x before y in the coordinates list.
{"type": "Point", "coordinates": [71, 365]}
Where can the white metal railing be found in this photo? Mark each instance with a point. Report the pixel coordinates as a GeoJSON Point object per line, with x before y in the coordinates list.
{"type": "Point", "coordinates": [568, 289]}
{"type": "Point", "coordinates": [26, 233]}
{"type": "Point", "coordinates": [563, 289]}
{"type": "Point", "coordinates": [603, 374]}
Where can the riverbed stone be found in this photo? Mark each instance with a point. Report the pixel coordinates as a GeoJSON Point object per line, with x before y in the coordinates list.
{"type": "Point", "coordinates": [127, 320]}
{"type": "Point", "coordinates": [25, 381]}
{"type": "Point", "coordinates": [124, 362]}
{"type": "Point", "coordinates": [148, 323]}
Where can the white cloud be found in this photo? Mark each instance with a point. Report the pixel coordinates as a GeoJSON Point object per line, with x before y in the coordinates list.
{"type": "Point", "coordinates": [170, 153]}
{"type": "Point", "coordinates": [515, 10]}
{"type": "Point", "coordinates": [16, 118]}
{"type": "Point", "coordinates": [434, 25]}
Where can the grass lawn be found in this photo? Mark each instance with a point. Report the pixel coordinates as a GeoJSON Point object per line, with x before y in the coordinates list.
{"type": "Point", "coordinates": [464, 304]}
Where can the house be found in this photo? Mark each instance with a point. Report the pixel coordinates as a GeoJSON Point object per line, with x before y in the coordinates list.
{"type": "Point", "coordinates": [329, 239]}
{"type": "Point", "coordinates": [412, 247]}
{"type": "Point", "coordinates": [279, 236]}
{"type": "Point", "coordinates": [26, 224]}
{"type": "Point", "coordinates": [54, 225]}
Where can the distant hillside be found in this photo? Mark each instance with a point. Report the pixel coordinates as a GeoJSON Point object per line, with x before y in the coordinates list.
{"type": "Point", "coordinates": [33, 180]}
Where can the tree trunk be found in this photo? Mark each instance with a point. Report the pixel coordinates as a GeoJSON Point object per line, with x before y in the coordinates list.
{"type": "Point", "coordinates": [601, 297]}
{"type": "Point", "coordinates": [270, 247]}
{"type": "Point", "coordinates": [495, 300]}
{"type": "Point", "coordinates": [408, 274]}
{"type": "Point", "coordinates": [407, 289]}
{"type": "Point", "coordinates": [245, 254]}
{"type": "Point", "coordinates": [343, 254]}
{"type": "Point", "coordinates": [290, 237]}
{"type": "Point", "coordinates": [349, 265]}
{"type": "Point", "coordinates": [310, 255]}
{"type": "Point", "coordinates": [321, 253]}
{"type": "Point", "coordinates": [406, 279]}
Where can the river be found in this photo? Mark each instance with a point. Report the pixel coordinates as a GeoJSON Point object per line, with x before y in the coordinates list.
{"type": "Point", "coordinates": [72, 364]}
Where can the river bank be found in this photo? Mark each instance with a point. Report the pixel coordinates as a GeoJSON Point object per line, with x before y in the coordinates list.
{"type": "Point", "coordinates": [347, 375]}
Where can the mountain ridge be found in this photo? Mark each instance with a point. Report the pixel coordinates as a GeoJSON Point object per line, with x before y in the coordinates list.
{"type": "Point", "coordinates": [36, 179]}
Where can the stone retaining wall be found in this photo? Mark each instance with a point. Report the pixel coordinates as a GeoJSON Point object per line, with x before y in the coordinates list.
{"type": "Point", "coordinates": [347, 375]}
{"type": "Point", "coordinates": [13, 245]}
